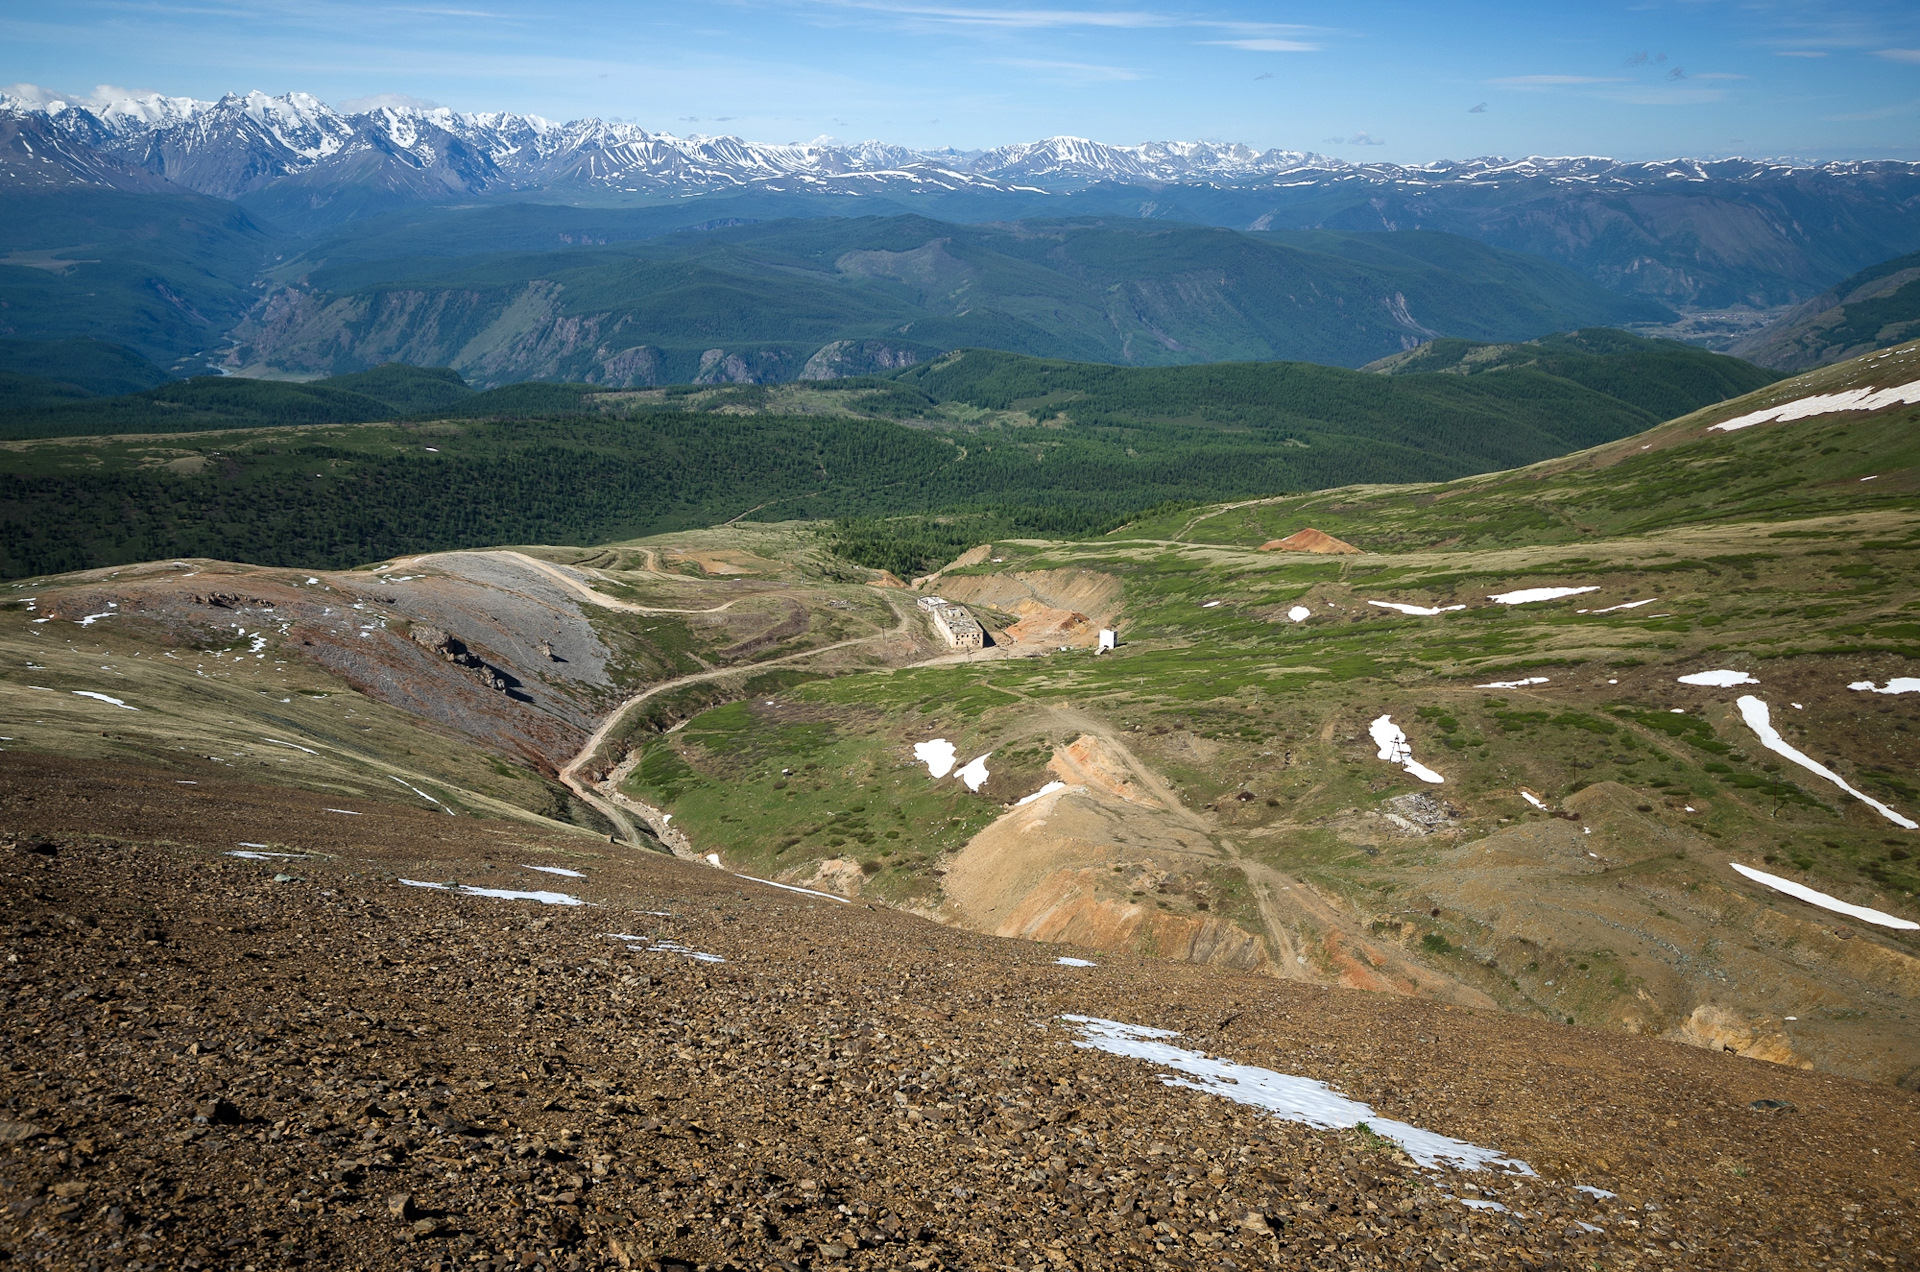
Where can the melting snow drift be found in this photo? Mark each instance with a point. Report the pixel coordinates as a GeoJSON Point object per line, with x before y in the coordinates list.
{"type": "Point", "coordinates": [1294, 1098]}
{"type": "Point", "coordinates": [1861, 399]}
{"type": "Point", "coordinates": [1898, 684]}
{"type": "Point", "coordinates": [1513, 684]}
{"type": "Point", "coordinates": [975, 773]}
{"type": "Point", "coordinates": [502, 894]}
{"type": "Point", "coordinates": [1759, 719]}
{"type": "Point", "coordinates": [1527, 596]}
{"type": "Point", "coordinates": [794, 887]}
{"type": "Point", "coordinates": [937, 755]}
{"type": "Point", "coordinates": [101, 697]}
{"type": "Point", "coordinates": [1048, 789]}
{"type": "Point", "coordinates": [556, 870]}
{"type": "Point", "coordinates": [1824, 901]}
{"type": "Point", "coordinates": [1721, 678]}
{"type": "Point", "coordinates": [1299, 613]}
{"type": "Point", "coordinates": [1394, 749]}
{"type": "Point", "coordinates": [1076, 962]}
{"type": "Point", "coordinates": [1421, 610]}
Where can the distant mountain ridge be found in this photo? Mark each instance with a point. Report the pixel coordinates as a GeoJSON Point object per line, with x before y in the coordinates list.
{"type": "Point", "coordinates": [1697, 234]}
{"type": "Point", "coordinates": [241, 142]}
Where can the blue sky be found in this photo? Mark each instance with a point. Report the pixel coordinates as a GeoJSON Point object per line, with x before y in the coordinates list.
{"type": "Point", "coordinates": [1386, 81]}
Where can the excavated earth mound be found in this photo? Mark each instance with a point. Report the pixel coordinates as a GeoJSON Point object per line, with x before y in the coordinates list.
{"type": "Point", "coordinates": [1308, 540]}
{"type": "Point", "coordinates": [216, 1062]}
{"type": "Point", "coordinates": [1055, 607]}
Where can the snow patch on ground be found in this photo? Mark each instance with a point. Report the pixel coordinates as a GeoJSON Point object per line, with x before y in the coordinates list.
{"type": "Point", "coordinates": [501, 894]}
{"type": "Point", "coordinates": [1421, 610]}
{"type": "Point", "coordinates": [937, 755]}
{"type": "Point", "coordinates": [1533, 799]}
{"type": "Point", "coordinates": [423, 795]}
{"type": "Point", "coordinates": [1866, 398]}
{"type": "Point", "coordinates": [1824, 901]}
{"type": "Point", "coordinates": [1759, 719]}
{"type": "Point", "coordinates": [101, 697]}
{"type": "Point", "coordinates": [269, 856]}
{"type": "Point", "coordinates": [295, 745]}
{"type": "Point", "coordinates": [1629, 605]}
{"type": "Point", "coordinates": [789, 887]}
{"type": "Point", "coordinates": [1899, 684]}
{"type": "Point", "coordinates": [674, 947]}
{"type": "Point", "coordinates": [1527, 596]}
{"type": "Point", "coordinates": [1394, 749]}
{"type": "Point", "coordinates": [556, 870]}
{"type": "Point", "coordinates": [975, 773]}
{"type": "Point", "coordinates": [1720, 678]}
{"type": "Point", "coordinates": [1075, 962]}
{"type": "Point", "coordinates": [1048, 789]}
{"type": "Point", "coordinates": [1295, 1098]}
{"type": "Point", "coordinates": [1513, 684]}
{"type": "Point", "coordinates": [1299, 613]}
{"type": "Point", "coordinates": [1591, 1191]}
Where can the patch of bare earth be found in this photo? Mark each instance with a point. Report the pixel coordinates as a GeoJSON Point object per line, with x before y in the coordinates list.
{"type": "Point", "coordinates": [212, 1062]}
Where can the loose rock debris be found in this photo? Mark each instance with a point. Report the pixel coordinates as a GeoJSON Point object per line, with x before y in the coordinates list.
{"type": "Point", "coordinates": [203, 1069]}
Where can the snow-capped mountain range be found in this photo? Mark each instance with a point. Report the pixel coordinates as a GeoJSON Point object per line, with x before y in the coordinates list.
{"type": "Point", "coordinates": [245, 143]}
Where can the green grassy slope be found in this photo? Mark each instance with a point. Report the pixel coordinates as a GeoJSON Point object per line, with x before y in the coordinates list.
{"type": "Point", "coordinates": [1676, 475]}
{"type": "Point", "coordinates": [772, 294]}
{"type": "Point", "coordinates": [1609, 900]}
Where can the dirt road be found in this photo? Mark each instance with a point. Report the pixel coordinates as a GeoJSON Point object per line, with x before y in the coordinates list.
{"type": "Point", "coordinates": [609, 803]}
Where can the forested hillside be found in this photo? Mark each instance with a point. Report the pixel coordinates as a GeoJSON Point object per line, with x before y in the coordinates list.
{"type": "Point", "coordinates": [1875, 309]}
{"type": "Point", "coordinates": [213, 402]}
{"type": "Point", "coordinates": [1022, 444]}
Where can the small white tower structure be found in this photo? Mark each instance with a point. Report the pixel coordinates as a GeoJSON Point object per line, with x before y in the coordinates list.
{"type": "Point", "coordinates": [1109, 639]}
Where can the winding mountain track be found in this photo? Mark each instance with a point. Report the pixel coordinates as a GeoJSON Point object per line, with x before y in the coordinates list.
{"type": "Point", "coordinates": [578, 586]}
{"type": "Point", "coordinates": [609, 804]}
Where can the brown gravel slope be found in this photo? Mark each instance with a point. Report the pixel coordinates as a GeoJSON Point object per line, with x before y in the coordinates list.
{"type": "Point", "coordinates": [214, 1062]}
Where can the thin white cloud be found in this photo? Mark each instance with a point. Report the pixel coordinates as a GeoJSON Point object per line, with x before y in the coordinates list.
{"type": "Point", "coordinates": [1358, 139]}
{"type": "Point", "coordinates": [1665, 95]}
{"type": "Point", "coordinates": [391, 101]}
{"type": "Point", "coordinates": [1799, 53]}
{"type": "Point", "coordinates": [1718, 75]}
{"type": "Point", "coordinates": [1898, 55]}
{"type": "Point", "coordinates": [1075, 72]}
{"type": "Point", "coordinates": [1884, 112]}
{"type": "Point", "coordinates": [1011, 19]}
{"type": "Point", "coordinates": [101, 95]}
{"type": "Point", "coordinates": [1545, 81]}
{"type": "Point", "coordinates": [1265, 44]}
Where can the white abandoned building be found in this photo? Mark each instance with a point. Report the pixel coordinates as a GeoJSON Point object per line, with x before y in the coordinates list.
{"type": "Point", "coordinates": [956, 626]}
